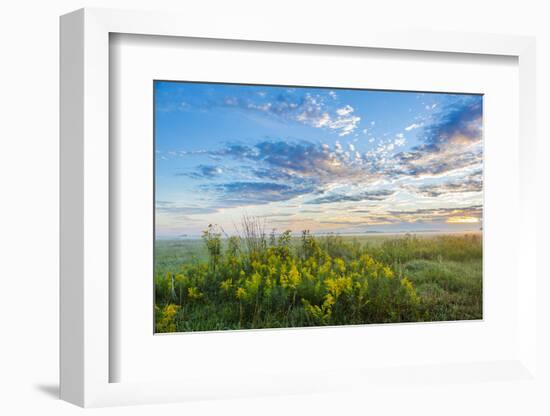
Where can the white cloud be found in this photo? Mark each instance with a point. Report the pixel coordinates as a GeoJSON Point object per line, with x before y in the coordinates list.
{"type": "Point", "coordinates": [260, 107]}
{"type": "Point", "coordinates": [344, 111]}
{"type": "Point", "coordinates": [322, 121]}
{"type": "Point", "coordinates": [346, 126]}
{"type": "Point", "coordinates": [311, 111]}
{"type": "Point", "coordinates": [413, 126]}
{"type": "Point", "coordinates": [345, 121]}
{"type": "Point", "coordinates": [400, 141]}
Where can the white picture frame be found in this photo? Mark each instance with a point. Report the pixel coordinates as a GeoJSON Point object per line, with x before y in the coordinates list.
{"type": "Point", "coordinates": [85, 211]}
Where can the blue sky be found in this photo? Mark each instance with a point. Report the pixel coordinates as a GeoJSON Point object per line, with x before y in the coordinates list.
{"type": "Point", "coordinates": [327, 160]}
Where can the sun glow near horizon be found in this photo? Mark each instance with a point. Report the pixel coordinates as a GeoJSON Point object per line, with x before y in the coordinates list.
{"type": "Point", "coordinates": [463, 220]}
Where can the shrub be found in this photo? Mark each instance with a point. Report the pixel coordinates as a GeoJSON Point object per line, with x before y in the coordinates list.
{"type": "Point", "coordinates": [165, 321]}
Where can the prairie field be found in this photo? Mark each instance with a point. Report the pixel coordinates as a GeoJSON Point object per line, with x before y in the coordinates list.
{"type": "Point", "coordinates": [256, 280]}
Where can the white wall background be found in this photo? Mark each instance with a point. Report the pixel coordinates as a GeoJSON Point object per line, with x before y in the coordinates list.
{"type": "Point", "coordinates": [29, 188]}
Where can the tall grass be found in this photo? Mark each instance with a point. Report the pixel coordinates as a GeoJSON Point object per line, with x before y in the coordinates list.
{"type": "Point", "coordinates": [258, 281]}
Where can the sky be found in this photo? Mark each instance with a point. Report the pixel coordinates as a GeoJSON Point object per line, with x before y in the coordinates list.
{"type": "Point", "coordinates": [327, 160]}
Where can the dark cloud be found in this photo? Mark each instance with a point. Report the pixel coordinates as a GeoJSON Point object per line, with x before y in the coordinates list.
{"type": "Point", "coordinates": [272, 174]}
{"type": "Point", "coordinates": [237, 151]}
{"type": "Point", "coordinates": [460, 121]}
{"type": "Point", "coordinates": [169, 207]}
{"type": "Point", "coordinates": [448, 143]}
{"type": "Point", "coordinates": [470, 183]}
{"type": "Point", "coordinates": [304, 157]}
{"type": "Point", "coordinates": [283, 170]}
{"type": "Point", "coordinates": [436, 214]}
{"type": "Point", "coordinates": [476, 208]}
{"type": "Point", "coordinates": [280, 170]}
{"type": "Point", "coordinates": [282, 105]}
{"type": "Point", "coordinates": [286, 160]}
{"type": "Point", "coordinates": [424, 163]}
{"type": "Point", "coordinates": [363, 196]}
{"type": "Point", "coordinates": [243, 193]}
{"type": "Point", "coordinates": [204, 172]}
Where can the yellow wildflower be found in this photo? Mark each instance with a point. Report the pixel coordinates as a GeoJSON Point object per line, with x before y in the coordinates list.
{"type": "Point", "coordinates": [240, 293]}
{"type": "Point", "coordinates": [194, 293]}
{"type": "Point", "coordinates": [226, 285]}
{"type": "Point", "coordinates": [167, 323]}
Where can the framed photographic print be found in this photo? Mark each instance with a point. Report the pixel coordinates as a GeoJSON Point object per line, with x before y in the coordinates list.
{"type": "Point", "coordinates": [285, 213]}
{"type": "Point", "coordinates": [293, 206]}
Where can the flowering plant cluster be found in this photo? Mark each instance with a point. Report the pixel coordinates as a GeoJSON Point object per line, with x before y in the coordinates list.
{"type": "Point", "coordinates": [258, 282]}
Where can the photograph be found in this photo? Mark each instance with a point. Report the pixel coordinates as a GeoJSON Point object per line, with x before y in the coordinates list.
{"type": "Point", "coordinates": [284, 206]}
{"type": "Point", "coordinates": [237, 208]}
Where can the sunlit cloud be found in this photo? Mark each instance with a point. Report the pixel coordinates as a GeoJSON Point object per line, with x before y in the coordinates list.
{"type": "Point", "coordinates": [462, 220]}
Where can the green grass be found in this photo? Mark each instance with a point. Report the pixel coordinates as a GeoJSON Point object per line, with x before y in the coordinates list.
{"type": "Point", "coordinates": [259, 281]}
